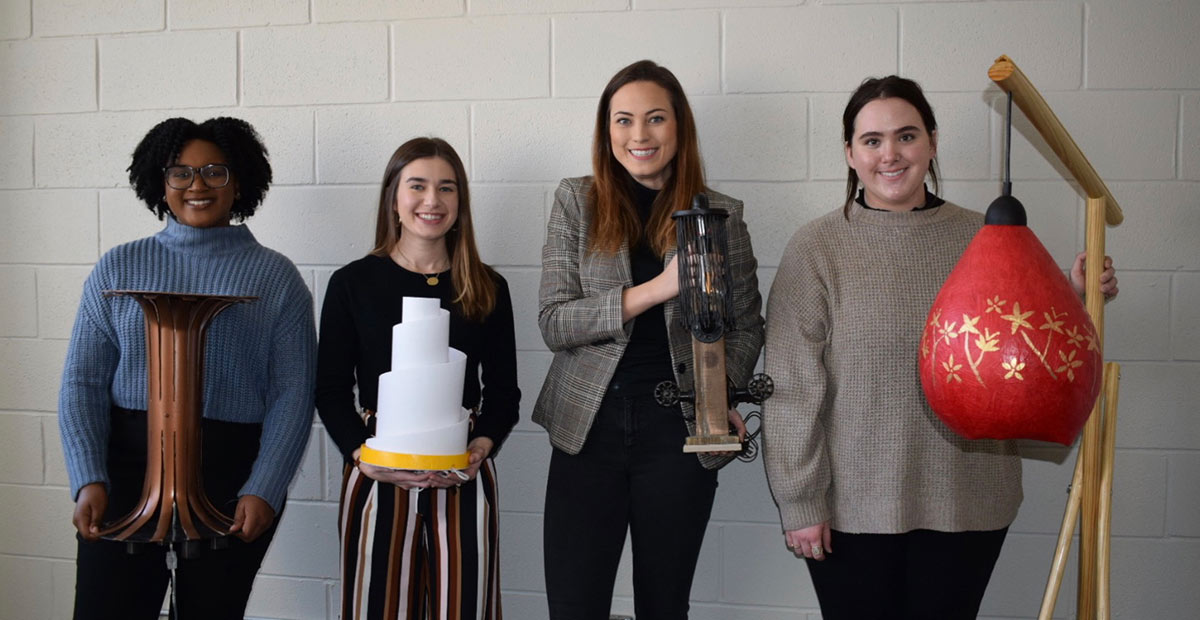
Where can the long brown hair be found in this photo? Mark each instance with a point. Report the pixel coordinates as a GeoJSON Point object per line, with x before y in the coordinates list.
{"type": "Point", "coordinates": [474, 286]}
{"type": "Point", "coordinates": [614, 217]}
{"type": "Point", "coordinates": [885, 88]}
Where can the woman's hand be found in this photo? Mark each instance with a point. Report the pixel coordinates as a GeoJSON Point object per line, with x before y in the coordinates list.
{"type": "Point", "coordinates": [659, 289]}
{"type": "Point", "coordinates": [89, 510]}
{"type": "Point", "coordinates": [1108, 278]}
{"type": "Point", "coordinates": [404, 479]}
{"type": "Point", "coordinates": [477, 451]}
{"type": "Point", "coordinates": [407, 480]}
{"type": "Point", "coordinates": [812, 542]}
{"type": "Point", "coordinates": [738, 424]}
{"type": "Point", "coordinates": [252, 517]}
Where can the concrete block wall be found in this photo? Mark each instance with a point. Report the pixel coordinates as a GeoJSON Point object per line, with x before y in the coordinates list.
{"type": "Point", "coordinates": [335, 85]}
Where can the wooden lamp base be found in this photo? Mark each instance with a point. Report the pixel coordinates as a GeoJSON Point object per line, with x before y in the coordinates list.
{"type": "Point", "coordinates": [728, 443]}
{"type": "Point", "coordinates": [712, 401]}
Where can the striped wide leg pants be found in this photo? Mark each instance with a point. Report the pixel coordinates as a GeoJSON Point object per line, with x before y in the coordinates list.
{"type": "Point", "coordinates": [419, 555]}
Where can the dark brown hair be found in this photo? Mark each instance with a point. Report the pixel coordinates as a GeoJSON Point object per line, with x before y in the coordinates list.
{"type": "Point", "coordinates": [885, 88]}
{"type": "Point", "coordinates": [614, 218]}
{"type": "Point", "coordinates": [474, 283]}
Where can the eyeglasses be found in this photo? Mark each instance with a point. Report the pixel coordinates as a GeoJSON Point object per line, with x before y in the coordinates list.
{"type": "Point", "coordinates": [180, 177]}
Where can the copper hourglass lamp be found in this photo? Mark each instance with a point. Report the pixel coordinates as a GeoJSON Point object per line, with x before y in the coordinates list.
{"type": "Point", "coordinates": [173, 505]}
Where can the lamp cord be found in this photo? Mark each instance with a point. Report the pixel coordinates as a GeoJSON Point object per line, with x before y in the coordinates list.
{"type": "Point", "coordinates": [1008, 148]}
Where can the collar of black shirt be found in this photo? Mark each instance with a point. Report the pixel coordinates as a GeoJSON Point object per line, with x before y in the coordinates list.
{"type": "Point", "coordinates": [931, 201]}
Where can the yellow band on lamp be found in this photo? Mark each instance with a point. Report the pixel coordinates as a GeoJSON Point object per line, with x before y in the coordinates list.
{"type": "Point", "coordinates": [396, 460]}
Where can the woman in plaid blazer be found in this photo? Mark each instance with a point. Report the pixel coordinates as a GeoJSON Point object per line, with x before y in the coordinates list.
{"type": "Point", "coordinates": [608, 311]}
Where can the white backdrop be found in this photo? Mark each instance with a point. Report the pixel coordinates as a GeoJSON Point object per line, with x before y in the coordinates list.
{"type": "Point", "coordinates": [335, 85]}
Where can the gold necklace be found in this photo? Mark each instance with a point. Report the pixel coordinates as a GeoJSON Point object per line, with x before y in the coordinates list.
{"type": "Point", "coordinates": [430, 278]}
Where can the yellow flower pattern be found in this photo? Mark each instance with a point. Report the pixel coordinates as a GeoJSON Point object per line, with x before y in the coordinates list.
{"type": "Point", "coordinates": [946, 332]}
{"type": "Point", "coordinates": [952, 370]}
{"type": "Point", "coordinates": [1052, 321]}
{"type": "Point", "coordinates": [1014, 369]}
{"type": "Point", "coordinates": [987, 341]}
{"type": "Point", "coordinates": [1074, 338]}
{"type": "Point", "coordinates": [1069, 364]}
{"type": "Point", "coordinates": [1064, 337]}
{"type": "Point", "coordinates": [1018, 318]}
{"type": "Point", "coordinates": [933, 321]}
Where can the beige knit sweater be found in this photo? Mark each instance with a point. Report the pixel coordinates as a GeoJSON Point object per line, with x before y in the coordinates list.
{"type": "Point", "coordinates": [848, 435]}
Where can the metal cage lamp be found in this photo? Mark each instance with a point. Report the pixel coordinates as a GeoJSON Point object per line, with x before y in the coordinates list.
{"type": "Point", "coordinates": [706, 308]}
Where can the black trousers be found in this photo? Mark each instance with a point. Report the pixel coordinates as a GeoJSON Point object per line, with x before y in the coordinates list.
{"type": "Point", "coordinates": [631, 475]}
{"type": "Point", "coordinates": [919, 575]}
{"type": "Point", "coordinates": [111, 583]}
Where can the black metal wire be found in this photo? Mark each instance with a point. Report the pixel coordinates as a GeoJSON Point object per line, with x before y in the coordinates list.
{"type": "Point", "coordinates": [705, 284]}
{"type": "Point", "coordinates": [1008, 148]}
{"type": "Point", "coordinates": [750, 446]}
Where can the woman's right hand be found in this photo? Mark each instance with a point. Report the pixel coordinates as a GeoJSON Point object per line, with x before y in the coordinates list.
{"type": "Point", "coordinates": [404, 479]}
{"type": "Point", "coordinates": [812, 542]}
{"type": "Point", "coordinates": [89, 510]}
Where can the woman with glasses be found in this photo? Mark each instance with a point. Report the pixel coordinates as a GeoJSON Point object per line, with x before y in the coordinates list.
{"type": "Point", "coordinates": [258, 386]}
{"type": "Point", "coordinates": [609, 310]}
{"type": "Point", "coordinates": [419, 544]}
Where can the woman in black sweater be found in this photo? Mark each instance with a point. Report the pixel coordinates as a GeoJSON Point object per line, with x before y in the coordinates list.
{"type": "Point", "coordinates": [407, 553]}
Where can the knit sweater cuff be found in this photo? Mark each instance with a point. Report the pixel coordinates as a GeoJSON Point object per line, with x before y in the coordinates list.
{"type": "Point", "coordinates": [799, 515]}
{"type": "Point", "coordinates": [83, 472]}
{"type": "Point", "coordinates": [269, 490]}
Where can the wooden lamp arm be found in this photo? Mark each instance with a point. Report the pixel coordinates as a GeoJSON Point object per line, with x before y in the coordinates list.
{"type": "Point", "coordinates": [1005, 73]}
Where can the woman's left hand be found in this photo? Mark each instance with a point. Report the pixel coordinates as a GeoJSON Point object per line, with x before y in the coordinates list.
{"type": "Point", "coordinates": [252, 517]}
{"type": "Point", "coordinates": [477, 451]}
{"type": "Point", "coordinates": [738, 424]}
{"type": "Point", "coordinates": [1108, 278]}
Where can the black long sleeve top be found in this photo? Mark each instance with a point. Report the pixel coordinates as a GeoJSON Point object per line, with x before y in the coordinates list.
{"type": "Point", "coordinates": [647, 358]}
{"type": "Point", "coordinates": [362, 303]}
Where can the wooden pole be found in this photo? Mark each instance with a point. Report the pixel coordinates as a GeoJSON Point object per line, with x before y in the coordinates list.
{"type": "Point", "coordinates": [1112, 379]}
{"type": "Point", "coordinates": [1090, 447]}
{"type": "Point", "coordinates": [1062, 550]}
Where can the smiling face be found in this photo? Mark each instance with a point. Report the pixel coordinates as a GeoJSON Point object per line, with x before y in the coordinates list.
{"type": "Point", "coordinates": [427, 199]}
{"type": "Point", "coordinates": [643, 132]}
{"type": "Point", "coordinates": [891, 151]}
{"type": "Point", "coordinates": [201, 206]}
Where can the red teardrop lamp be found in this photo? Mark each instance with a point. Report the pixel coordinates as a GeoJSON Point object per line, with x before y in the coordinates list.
{"type": "Point", "coordinates": [1008, 351]}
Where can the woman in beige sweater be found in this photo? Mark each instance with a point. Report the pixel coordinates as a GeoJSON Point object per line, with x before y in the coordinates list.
{"type": "Point", "coordinates": [856, 459]}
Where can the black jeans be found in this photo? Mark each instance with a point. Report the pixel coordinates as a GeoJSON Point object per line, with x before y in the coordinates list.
{"type": "Point", "coordinates": [919, 575]}
{"type": "Point", "coordinates": [630, 475]}
{"type": "Point", "coordinates": [111, 583]}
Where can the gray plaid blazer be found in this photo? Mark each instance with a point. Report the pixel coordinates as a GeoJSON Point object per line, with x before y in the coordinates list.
{"type": "Point", "coordinates": [579, 312]}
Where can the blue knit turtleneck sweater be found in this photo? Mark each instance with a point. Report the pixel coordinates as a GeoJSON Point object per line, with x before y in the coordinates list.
{"type": "Point", "coordinates": [259, 360]}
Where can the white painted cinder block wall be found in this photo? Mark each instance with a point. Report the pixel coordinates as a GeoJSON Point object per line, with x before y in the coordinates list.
{"type": "Point", "coordinates": [335, 85]}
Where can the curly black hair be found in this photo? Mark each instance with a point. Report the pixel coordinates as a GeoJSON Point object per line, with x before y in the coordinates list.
{"type": "Point", "coordinates": [236, 138]}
